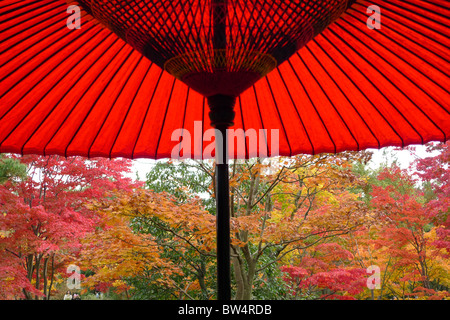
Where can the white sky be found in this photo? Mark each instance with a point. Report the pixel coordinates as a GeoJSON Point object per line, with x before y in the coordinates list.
{"type": "Point", "coordinates": [142, 166]}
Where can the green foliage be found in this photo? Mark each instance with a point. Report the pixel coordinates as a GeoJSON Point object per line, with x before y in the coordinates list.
{"type": "Point", "coordinates": [184, 180]}
{"type": "Point", "coordinates": [270, 285]}
{"type": "Point", "coordinates": [11, 169]}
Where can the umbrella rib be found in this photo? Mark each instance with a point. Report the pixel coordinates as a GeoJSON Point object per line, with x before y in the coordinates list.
{"type": "Point", "coordinates": [433, 10]}
{"type": "Point", "coordinates": [247, 151]}
{"type": "Point", "coordinates": [37, 53]}
{"type": "Point", "coordinates": [357, 86]}
{"type": "Point", "coordinates": [424, 74]}
{"type": "Point", "coordinates": [113, 104]}
{"type": "Point", "coordinates": [404, 93]}
{"type": "Point", "coordinates": [165, 115]}
{"type": "Point", "coordinates": [410, 51]}
{"type": "Point", "coordinates": [279, 116]}
{"type": "Point", "coordinates": [340, 89]}
{"type": "Point", "coordinates": [436, 4]}
{"type": "Point", "coordinates": [56, 14]}
{"type": "Point", "coordinates": [312, 103]}
{"type": "Point", "coordinates": [184, 119]}
{"type": "Point", "coordinates": [296, 110]}
{"type": "Point", "coordinates": [28, 92]}
{"type": "Point", "coordinates": [53, 109]}
{"type": "Point", "coordinates": [22, 6]}
{"type": "Point", "coordinates": [345, 96]}
{"type": "Point", "coordinates": [386, 78]}
{"type": "Point", "coordinates": [421, 14]}
{"type": "Point", "coordinates": [412, 39]}
{"type": "Point", "coordinates": [327, 97]}
{"type": "Point", "coordinates": [203, 119]}
{"type": "Point", "coordinates": [389, 14]}
{"type": "Point", "coordinates": [408, 63]}
{"type": "Point", "coordinates": [13, 3]}
{"type": "Point", "coordinates": [81, 96]}
{"type": "Point", "coordinates": [128, 111]}
{"type": "Point", "coordinates": [262, 122]}
{"type": "Point", "coordinates": [97, 98]}
{"type": "Point", "coordinates": [146, 113]}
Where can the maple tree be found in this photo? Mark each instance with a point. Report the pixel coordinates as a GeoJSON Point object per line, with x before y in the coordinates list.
{"type": "Point", "coordinates": [139, 228]}
{"type": "Point", "coordinates": [325, 272]}
{"type": "Point", "coordinates": [407, 233]}
{"type": "Point", "coordinates": [435, 170]}
{"type": "Point", "coordinates": [305, 227]}
{"type": "Point", "coordinates": [278, 208]}
{"type": "Point", "coordinates": [299, 205]}
{"type": "Point", "coordinates": [44, 216]}
{"type": "Point", "coordinates": [403, 235]}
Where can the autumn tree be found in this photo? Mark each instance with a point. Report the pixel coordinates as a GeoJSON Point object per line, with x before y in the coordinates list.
{"type": "Point", "coordinates": [325, 271]}
{"type": "Point", "coordinates": [405, 231]}
{"type": "Point", "coordinates": [405, 236]}
{"type": "Point", "coordinates": [278, 207]}
{"type": "Point", "coordinates": [434, 171]}
{"type": "Point", "coordinates": [159, 248]}
{"type": "Point", "coordinates": [44, 216]}
{"type": "Point", "coordinates": [113, 253]}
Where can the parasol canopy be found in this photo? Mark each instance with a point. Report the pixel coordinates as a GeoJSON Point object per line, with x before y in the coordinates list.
{"type": "Point", "coordinates": [86, 92]}
{"type": "Point", "coordinates": [325, 75]}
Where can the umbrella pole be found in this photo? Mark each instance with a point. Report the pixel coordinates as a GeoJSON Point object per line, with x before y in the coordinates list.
{"type": "Point", "coordinates": [223, 232]}
{"type": "Point", "coordinates": [222, 116]}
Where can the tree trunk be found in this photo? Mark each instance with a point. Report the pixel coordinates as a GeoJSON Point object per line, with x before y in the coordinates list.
{"type": "Point", "coordinates": [244, 278]}
{"type": "Point", "coordinates": [239, 280]}
{"type": "Point", "coordinates": [44, 277]}
{"type": "Point", "coordinates": [51, 277]}
{"type": "Point", "coordinates": [30, 269]}
{"type": "Point", "coordinates": [38, 279]}
{"type": "Point", "coordinates": [248, 287]}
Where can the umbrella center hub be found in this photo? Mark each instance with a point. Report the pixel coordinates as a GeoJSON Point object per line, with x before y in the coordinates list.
{"type": "Point", "coordinates": [220, 71]}
{"type": "Point", "coordinates": [217, 46]}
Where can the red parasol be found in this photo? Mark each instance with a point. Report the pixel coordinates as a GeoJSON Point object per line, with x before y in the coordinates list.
{"type": "Point", "coordinates": [321, 72]}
